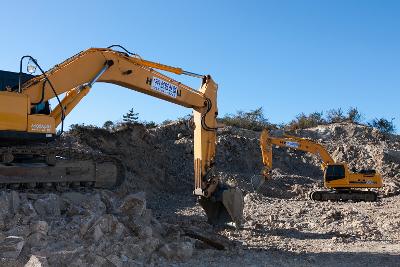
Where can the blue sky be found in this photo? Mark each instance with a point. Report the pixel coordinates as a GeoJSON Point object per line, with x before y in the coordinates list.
{"type": "Point", "coordinates": [286, 56]}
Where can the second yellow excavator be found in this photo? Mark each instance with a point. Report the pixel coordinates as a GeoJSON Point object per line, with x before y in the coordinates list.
{"type": "Point", "coordinates": [344, 184]}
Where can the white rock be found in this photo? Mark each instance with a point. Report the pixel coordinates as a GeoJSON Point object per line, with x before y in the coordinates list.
{"type": "Point", "coordinates": [37, 261]}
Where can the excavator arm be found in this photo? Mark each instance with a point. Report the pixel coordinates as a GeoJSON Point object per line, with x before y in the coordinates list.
{"type": "Point", "coordinates": [76, 76]}
{"type": "Point", "coordinates": [266, 143]}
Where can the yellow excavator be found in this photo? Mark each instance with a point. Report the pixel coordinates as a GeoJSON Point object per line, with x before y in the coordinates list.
{"type": "Point", "coordinates": [28, 126]}
{"type": "Point", "coordinates": [344, 184]}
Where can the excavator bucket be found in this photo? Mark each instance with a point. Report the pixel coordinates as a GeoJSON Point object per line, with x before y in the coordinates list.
{"type": "Point", "coordinates": [225, 206]}
{"type": "Point", "coordinates": [234, 204]}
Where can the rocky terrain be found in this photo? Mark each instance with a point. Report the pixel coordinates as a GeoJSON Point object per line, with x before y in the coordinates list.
{"type": "Point", "coordinates": [152, 219]}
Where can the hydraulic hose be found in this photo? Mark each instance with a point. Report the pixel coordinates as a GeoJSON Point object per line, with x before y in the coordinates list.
{"type": "Point", "coordinates": [43, 88]}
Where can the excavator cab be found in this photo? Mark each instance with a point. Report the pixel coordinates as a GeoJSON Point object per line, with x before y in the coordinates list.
{"type": "Point", "coordinates": [9, 79]}
{"type": "Point", "coordinates": [334, 172]}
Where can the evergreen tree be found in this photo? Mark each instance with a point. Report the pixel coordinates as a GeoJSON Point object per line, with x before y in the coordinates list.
{"type": "Point", "coordinates": [131, 117]}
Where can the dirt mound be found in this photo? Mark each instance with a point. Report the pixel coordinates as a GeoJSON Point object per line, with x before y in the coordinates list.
{"type": "Point", "coordinates": [161, 159]}
{"type": "Point", "coordinates": [155, 160]}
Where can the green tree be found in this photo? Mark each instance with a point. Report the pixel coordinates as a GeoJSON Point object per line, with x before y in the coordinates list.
{"type": "Point", "coordinates": [108, 125]}
{"type": "Point", "coordinates": [130, 117]}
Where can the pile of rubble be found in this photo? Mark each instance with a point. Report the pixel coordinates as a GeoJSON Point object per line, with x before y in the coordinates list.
{"type": "Point", "coordinates": [96, 228]}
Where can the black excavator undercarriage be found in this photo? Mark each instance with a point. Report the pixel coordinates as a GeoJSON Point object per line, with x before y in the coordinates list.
{"type": "Point", "coordinates": [51, 166]}
{"type": "Point", "coordinates": [344, 195]}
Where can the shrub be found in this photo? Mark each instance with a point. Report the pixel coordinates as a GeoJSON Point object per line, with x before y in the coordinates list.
{"type": "Point", "coordinates": [150, 124]}
{"type": "Point", "coordinates": [353, 115]}
{"type": "Point", "coordinates": [79, 127]}
{"type": "Point", "coordinates": [165, 122]}
{"type": "Point", "coordinates": [304, 121]}
{"type": "Point", "coordinates": [108, 125]}
{"type": "Point", "coordinates": [252, 120]}
{"type": "Point", "coordinates": [335, 115]}
{"type": "Point", "coordinates": [383, 125]}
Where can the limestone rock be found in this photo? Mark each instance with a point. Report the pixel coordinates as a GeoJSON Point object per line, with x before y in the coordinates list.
{"type": "Point", "coordinates": [177, 250]}
{"type": "Point", "coordinates": [11, 247]}
{"type": "Point", "coordinates": [134, 204]}
{"type": "Point", "coordinates": [37, 261]}
{"type": "Point", "coordinates": [48, 206]}
{"type": "Point", "coordinates": [40, 227]}
{"type": "Point", "coordinates": [28, 210]}
{"type": "Point", "coordinates": [37, 240]}
{"type": "Point", "coordinates": [97, 233]}
{"type": "Point", "coordinates": [4, 203]}
{"type": "Point", "coordinates": [14, 202]}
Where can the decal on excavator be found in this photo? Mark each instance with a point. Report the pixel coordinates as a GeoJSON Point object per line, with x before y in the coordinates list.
{"type": "Point", "coordinates": [41, 127]}
{"type": "Point", "coordinates": [164, 87]}
{"type": "Point", "coordinates": [292, 144]}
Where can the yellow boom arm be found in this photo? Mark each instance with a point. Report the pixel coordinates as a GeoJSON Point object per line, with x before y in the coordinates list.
{"type": "Point", "coordinates": [266, 143]}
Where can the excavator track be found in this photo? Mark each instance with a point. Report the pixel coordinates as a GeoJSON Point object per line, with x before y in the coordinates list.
{"type": "Point", "coordinates": [52, 166]}
{"type": "Point", "coordinates": [344, 195]}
